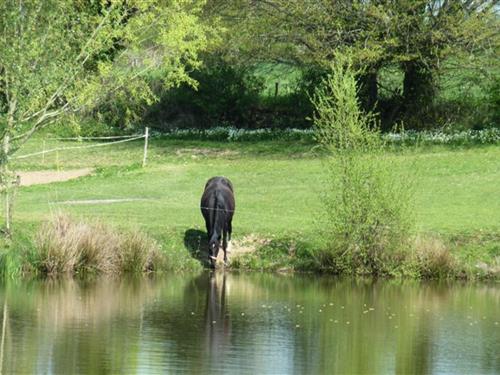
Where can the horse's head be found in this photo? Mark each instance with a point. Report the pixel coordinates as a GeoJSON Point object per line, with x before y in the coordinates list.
{"type": "Point", "coordinates": [213, 251]}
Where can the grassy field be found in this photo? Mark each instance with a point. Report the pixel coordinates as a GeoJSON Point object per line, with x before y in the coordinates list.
{"type": "Point", "coordinates": [278, 190]}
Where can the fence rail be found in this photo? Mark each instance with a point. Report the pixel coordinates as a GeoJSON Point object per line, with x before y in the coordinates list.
{"type": "Point", "coordinates": [96, 138]}
{"type": "Point", "coordinates": [121, 139]}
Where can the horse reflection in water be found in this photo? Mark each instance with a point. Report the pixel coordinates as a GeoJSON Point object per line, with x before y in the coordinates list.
{"type": "Point", "coordinates": [217, 316]}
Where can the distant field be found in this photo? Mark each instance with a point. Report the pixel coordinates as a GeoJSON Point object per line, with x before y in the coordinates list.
{"type": "Point", "coordinates": [278, 186]}
{"type": "Point", "coordinates": [454, 82]}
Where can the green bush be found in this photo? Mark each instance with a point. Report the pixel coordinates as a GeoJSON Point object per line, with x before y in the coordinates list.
{"type": "Point", "coordinates": [84, 127]}
{"type": "Point", "coordinates": [493, 102]}
{"type": "Point", "coordinates": [231, 95]}
{"type": "Point", "coordinates": [367, 203]}
{"type": "Point", "coordinates": [226, 94]}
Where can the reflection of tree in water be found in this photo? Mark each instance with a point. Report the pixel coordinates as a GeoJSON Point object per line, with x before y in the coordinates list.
{"type": "Point", "coordinates": [65, 326]}
{"type": "Point", "coordinates": [145, 326]}
{"type": "Point", "coordinates": [375, 340]}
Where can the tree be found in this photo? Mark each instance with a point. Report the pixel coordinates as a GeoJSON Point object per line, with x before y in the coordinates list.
{"type": "Point", "coordinates": [367, 201]}
{"type": "Point", "coordinates": [415, 35]}
{"type": "Point", "coordinates": [62, 56]}
{"type": "Point", "coordinates": [429, 32]}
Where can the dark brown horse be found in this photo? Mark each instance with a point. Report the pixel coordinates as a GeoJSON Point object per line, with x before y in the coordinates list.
{"type": "Point", "coordinates": [217, 207]}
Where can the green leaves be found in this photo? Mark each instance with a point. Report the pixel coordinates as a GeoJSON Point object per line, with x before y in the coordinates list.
{"type": "Point", "coordinates": [340, 124]}
{"type": "Point", "coordinates": [61, 57]}
{"type": "Point", "coordinates": [367, 204]}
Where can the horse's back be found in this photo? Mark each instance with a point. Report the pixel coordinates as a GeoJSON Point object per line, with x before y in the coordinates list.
{"type": "Point", "coordinates": [219, 180]}
{"type": "Point", "coordinates": [218, 194]}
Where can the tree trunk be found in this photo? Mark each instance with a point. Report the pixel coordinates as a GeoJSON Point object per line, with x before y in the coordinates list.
{"type": "Point", "coordinates": [7, 181]}
{"type": "Point", "coordinates": [6, 186]}
{"type": "Point", "coordinates": [419, 91]}
{"type": "Point", "coordinates": [368, 90]}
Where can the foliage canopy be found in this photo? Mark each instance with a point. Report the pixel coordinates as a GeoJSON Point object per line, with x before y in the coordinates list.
{"type": "Point", "coordinates": [61, 57]}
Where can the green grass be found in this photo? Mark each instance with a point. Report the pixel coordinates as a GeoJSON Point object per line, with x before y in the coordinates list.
{"type": "Point", "coordinates": [278, 189]}
{"type": "Point", "coordinates": [453, 83]}
{"type": "Point", "coordinates": [287, 76]}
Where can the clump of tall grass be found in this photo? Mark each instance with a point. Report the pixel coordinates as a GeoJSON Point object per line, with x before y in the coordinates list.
{"type": "Point", "coordinates": [432, 259]}
{"type": "Point", "coordinates": [66, 246]}
{"type": "Point", "coordinates": [367, 201]}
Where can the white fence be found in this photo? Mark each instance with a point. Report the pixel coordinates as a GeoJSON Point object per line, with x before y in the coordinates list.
{"type": "Point", "coordinates": [116, 140]}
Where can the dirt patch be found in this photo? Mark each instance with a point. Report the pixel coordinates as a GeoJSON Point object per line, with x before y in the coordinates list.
{"type": "Point", "coordinates": [242, 246]}
{"type": "Point", "coordinates": [46, 177]}
{"type": "Point", "coordinates": [247, 244]}
{"type": "Point", "coordinates": [196, 242]}
{"type": "Point", "coordinates": [203, 152]}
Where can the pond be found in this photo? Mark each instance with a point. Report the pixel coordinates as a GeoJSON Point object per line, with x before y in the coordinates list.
{"type": "Point", "coordinates": [249, 323]}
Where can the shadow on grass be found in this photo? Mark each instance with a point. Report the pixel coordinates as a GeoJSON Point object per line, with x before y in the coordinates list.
{"type": "Point", "coordinates": [196, 242]}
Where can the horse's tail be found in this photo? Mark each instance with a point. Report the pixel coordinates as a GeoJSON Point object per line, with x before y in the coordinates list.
{"type": "Point", "coordinates": [218, 216]}
{"type": "Point", "coordinates": [221, 211]}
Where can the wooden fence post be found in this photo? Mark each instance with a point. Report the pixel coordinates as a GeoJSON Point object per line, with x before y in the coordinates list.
{"type": "Point", "coordinates": [145, 156]}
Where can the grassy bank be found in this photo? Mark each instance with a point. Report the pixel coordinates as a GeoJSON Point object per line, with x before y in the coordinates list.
{"type": "Point", "coordinates": [278, 190]}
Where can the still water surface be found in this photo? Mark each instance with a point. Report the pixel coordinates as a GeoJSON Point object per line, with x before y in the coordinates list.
{"type": "Point", "coordinates": [229, 323]}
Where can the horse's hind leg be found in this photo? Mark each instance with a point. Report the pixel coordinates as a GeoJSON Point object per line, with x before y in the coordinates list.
{"type": "Point", "coordinates": [229, 231]}
{"type": "Point", "coordinates": [224, 245]}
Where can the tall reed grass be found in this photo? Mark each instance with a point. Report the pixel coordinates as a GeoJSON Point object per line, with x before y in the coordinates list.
{"type": "Point", "coordinates": [67, 246]}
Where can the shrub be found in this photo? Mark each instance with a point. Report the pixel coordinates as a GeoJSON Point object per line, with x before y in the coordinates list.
{"type": "Point", "coordinates": [66, 246]}
{"type": "Point", "coordinates": [82, 127]}
{"type": "Point", "coordinates": [367, 202]}
{"type": "Point", "coordinates": [493, 102]}
{"type": "Point", "coordinates": [225, 94]}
